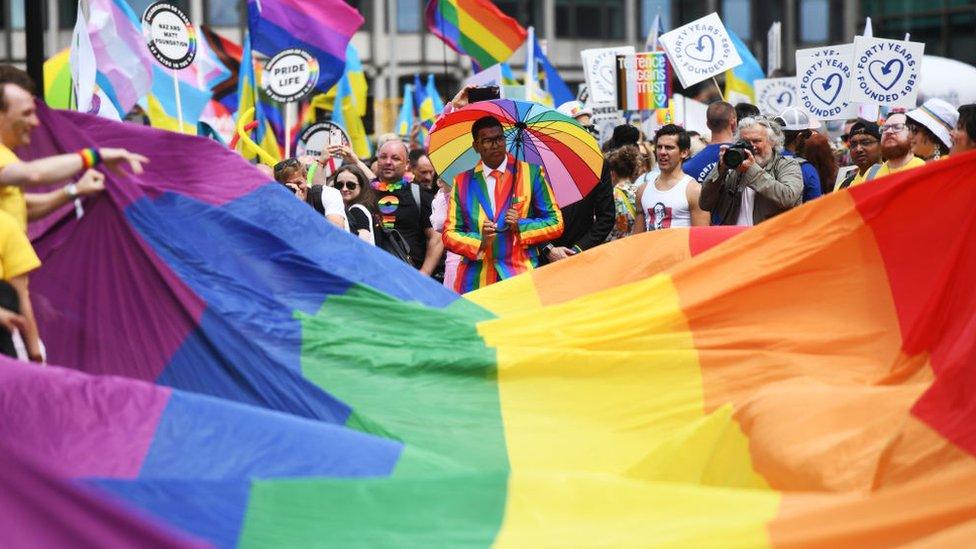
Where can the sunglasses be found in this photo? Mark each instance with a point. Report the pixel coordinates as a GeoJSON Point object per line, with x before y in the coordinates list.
{"type": "Point", "coordinates": [349, 185]}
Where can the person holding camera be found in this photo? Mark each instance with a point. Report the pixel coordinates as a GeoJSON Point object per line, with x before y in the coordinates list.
{"type": "Point", "coordinates": [753, 180]}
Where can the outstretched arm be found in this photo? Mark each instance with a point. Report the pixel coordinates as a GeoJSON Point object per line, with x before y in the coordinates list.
{"type": "Point", "coordinates": [53, 169]}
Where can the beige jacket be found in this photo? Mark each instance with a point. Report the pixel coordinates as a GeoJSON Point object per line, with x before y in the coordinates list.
{"type": "Point", "coordinates": [778, 186]}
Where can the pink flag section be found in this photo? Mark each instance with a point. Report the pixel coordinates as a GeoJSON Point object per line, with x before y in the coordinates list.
{"type": "Point", "coordinates": [123, 60]}
{"type": "Point", "coordinates": [336, 16]}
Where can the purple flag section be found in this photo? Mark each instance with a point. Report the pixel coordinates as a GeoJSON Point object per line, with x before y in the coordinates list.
{"type": "Point", "coordinates": [39, 509]}
{"type": "Point", "coordinates": [95, 282]}
{"type": "Point", "coordinates": [79, 425]}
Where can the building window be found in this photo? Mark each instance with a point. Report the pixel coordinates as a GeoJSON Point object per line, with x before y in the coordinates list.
{"type": "Point", "coordinates": [649, 9]}
{"type": "Point", "coordinates": [814, 20]}
{"type": "Point", "coordinates": [737, 15]}
{"type": "Point", "coordinates": [364, 8]}
{"type": "Point", "coordinates": [527, 12]}
{"type": "Point", "coordinates": [140, 6]}
{"type": "Point", "coordinates": [590, 19]}
{"type": "Point", "coordinates": [408, 15]}
{"type": "Point", "coordinates": [962, 41]}
{"type": "Point", "coordinates": [224, 13]}
{"type": "Point", "coordinates": [690, 10]}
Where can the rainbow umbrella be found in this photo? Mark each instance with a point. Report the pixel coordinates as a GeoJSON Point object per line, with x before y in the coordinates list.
{"type": "Point", "coordinates": [57, 80]}
{"type": "Point", "coordinates": [533, 133]}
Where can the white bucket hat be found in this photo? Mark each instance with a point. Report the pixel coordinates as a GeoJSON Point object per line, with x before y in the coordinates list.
{"type": "Point", "coordinates": [938, 116]}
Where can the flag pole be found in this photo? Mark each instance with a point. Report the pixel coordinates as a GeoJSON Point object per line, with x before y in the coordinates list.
{"type": "Point", "coordinates": [179, 104]}
{"type": "Point", "coordinates": [289, 115]}
{"type": "Point", "coordinates": [720, 92]}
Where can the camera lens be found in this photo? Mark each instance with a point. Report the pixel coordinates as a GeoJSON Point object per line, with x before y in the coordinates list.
{"type": "Point", "coordinates": [734, 158]}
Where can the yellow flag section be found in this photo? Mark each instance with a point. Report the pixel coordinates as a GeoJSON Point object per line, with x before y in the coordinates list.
{"type": "Point", "coordinates": [753, 394]}
{"type": "Point", "coordinates": [621, 429]}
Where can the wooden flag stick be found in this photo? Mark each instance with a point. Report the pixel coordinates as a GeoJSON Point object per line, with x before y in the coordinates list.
{"type": "Point", "coordinates": [720, 92]}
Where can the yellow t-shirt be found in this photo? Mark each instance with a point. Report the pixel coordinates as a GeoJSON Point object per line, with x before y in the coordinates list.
{"type": "Point", "coordinates": [915, 162]}
{"type": "Point", "coordinates": [17, 257]}
{"type": "Point", "coordinates": [858, 179]}
{"type": "Point", "coordinates": [12, 198]}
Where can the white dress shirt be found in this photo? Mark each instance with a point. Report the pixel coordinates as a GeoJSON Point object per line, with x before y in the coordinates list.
{"type": "Point", "coordinates": [490, 183]}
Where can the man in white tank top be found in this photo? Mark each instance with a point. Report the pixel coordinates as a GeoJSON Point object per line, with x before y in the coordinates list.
{"type": "Point", "coordinates": [671, 200]}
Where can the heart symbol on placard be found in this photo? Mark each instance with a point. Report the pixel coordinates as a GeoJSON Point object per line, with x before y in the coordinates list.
{"type": "Point", "coordinates": [782, 100]}
{"type": "Point", "coordinates": [827, 89]}
{"type": "Point", "coordinates": [703, 50]}
{"type": "Point", "coordinates": [886, 74]}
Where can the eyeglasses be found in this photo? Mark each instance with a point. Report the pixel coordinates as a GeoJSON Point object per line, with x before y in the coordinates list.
{"type": "Point", "coordinates": [855, 143]}
{"type": "Point", "coordinates": [893, 128]}
{"type": "Point", "coordinates": [349, 185]}
{"type": "Point", "coordinates": [493, 141]}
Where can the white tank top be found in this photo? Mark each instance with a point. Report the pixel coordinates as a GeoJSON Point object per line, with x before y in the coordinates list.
{"type": "Point", "coordinates": [665, 209]}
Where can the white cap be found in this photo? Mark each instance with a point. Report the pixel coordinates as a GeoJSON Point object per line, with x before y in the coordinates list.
{"type": "Point", "coordinates": [795, 120]}
{"type": "Point", "coordinates": [574, 109]}
{"type": "Point", "coordinates": [938, 116]}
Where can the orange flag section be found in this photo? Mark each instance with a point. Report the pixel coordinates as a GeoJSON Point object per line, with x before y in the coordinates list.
{"type": "Point", "coordinates": [628, 260]}
{"type": "Point", "coordinates": [808, 382]}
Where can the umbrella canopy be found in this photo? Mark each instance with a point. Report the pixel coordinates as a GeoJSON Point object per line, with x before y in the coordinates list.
{"type": "Point", "coordinates": [533, 133]}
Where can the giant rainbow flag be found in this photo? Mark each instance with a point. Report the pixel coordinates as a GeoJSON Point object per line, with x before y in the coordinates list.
{"type": "Point", "coordinates": [242, 371]}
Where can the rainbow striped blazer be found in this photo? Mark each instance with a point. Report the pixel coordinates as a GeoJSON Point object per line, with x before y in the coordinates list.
{"type": "Point", "coordinates": [525, 188]}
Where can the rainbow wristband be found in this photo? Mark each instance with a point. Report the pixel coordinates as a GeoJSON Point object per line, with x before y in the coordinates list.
{"type": "Point", "coordinates": [89, 158]}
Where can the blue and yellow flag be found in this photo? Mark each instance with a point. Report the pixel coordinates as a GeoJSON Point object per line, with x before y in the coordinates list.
{"type": "Point", "coordinates": [738, 81]}
{"type": "Point", "coordinates": [247, 93]}
{"type": "Point", "coordinates": [404, 121]}
{"type": "Point", "coordinates": [433, 96]}
{"type": "Point", "coordinates": [161, 103]}
{"type": "Point", "coordinates": [346, 115]}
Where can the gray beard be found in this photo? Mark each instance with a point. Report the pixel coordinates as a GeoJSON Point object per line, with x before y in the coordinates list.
{"type": "Point", "coordinates": [762, 161]}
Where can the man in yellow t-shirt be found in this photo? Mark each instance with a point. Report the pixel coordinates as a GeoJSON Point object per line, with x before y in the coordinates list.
{"type": "Point", "coordinates": [864, 142]}
{"type": "Point", "coordinates": [896, 148]}
{"type": "Point", "coordinates": [18, 118]}
{"type": "Point", "coordinates": [17, 259]}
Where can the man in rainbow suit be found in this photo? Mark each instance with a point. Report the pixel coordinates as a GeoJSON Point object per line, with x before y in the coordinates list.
{"type": "Point", "coordinates": [498, 213]}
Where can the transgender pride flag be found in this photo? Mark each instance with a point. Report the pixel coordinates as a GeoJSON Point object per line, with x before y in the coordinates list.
{"type": "Point", "coordinates": [322, 28]}
{"type": "Point", "coordinates": [123, 60]}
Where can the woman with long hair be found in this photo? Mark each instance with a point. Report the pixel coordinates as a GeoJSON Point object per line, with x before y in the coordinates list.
{"type": "Point", "coordinates": [360, 201]}
{"type": "Point", "coordinates": [816, 150]}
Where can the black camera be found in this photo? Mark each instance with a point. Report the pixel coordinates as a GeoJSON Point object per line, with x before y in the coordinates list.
{"type": "Point", "coordinates": [735, 155]}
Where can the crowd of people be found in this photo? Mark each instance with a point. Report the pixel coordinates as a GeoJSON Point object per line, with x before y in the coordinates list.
{"type": "Point", "coordinates": [500, 218]}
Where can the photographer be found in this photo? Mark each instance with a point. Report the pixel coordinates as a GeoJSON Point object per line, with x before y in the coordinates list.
{"type": "Point", "coordinates": [753, 180]}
